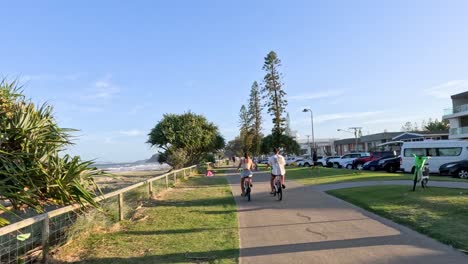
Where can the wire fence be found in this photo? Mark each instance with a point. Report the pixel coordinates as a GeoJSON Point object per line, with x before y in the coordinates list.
{"type": "Point", "coordinates": [30, 240]}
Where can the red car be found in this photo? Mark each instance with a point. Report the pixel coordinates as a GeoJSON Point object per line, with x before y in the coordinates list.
{"type": "Point", "coordinates": [358, 163]}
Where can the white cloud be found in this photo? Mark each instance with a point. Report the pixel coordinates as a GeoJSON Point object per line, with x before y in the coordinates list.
{"type": "Point", "coordinates": [340, 116]}
{"type": "Point", "coordinates": [103, 89]}
{"type": "Point", "coordinates": [445, 90]}
{"type": "Point", "coordinates": [131, 133]}
{"type": "Point", "coordinates": [319, 95]}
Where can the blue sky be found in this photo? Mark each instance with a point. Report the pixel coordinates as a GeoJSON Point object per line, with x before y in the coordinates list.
{"type": "Point", "coordinates": [113, 68]}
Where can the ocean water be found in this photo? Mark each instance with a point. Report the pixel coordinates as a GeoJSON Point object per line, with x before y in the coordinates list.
{"type": "Point", "coordinates": [122, 167]}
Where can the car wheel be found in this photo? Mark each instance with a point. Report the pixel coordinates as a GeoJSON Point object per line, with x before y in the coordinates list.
{"type": "Point", "coordinates": [306, 164]}
{"type": "Point", "coordinates": [463, 174]}
{"type": "Point", "coordinates": [336, 165]}
{"type": "Point", "coordinates": [359, 166]}
{"type": "Point", "coordinates": [372, 168]}
{"type": "Point", "coordinates": [349, 167]}
{"type": "Point", "coordinates": [391, 169]}
{"type": "Point", "coordinates": [412, 170]}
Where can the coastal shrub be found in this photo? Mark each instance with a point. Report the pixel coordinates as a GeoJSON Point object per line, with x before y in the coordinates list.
{"type": "Point", "coordinates": [34, 172]}
{"type": "Point", "coordinates": [185, 139]}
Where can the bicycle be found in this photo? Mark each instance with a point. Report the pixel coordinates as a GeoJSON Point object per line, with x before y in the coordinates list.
{"type": "Point", "coordinates": [421, 172]}
{"type": "Point", "coordinates": [247, 188]}
{"type": "Point", "coordinates": [278, 192]}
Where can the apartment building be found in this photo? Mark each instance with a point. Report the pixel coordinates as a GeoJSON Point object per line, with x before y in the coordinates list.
{"type": "Point", "coordinates": [458, 116]}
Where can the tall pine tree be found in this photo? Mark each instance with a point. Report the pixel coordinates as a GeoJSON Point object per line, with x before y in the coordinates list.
{"type": "Point", "coordinates": [274, 94]}
{"type": "Point", "coordinates": [255, 118]}
{"type": "Point", "coordinates": [244, 125]}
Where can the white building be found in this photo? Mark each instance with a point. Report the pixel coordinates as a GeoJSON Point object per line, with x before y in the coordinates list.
{"type": "Point", "coordinates": [325, 146]}
{"type": "Point", "coordinates": [458, 116]}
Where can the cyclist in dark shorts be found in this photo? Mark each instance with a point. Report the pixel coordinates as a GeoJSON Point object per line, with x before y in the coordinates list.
{"type": "Point", "coordinates": [247, 166]}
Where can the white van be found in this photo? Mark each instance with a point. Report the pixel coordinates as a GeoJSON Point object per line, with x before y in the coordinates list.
{"type": "Point", "coordinates": [439, 151]}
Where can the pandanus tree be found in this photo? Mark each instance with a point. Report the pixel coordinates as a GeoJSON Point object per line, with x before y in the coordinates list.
{"type": "Point", "coordinates": [34, 173]}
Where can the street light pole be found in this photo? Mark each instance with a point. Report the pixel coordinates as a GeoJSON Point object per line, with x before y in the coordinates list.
{"type": "Point", "coordinates": [357, 132]}
{"type": "Point", "coordinates": [308, 144]}
{"type": "Point", "coordinates": [312, 125]}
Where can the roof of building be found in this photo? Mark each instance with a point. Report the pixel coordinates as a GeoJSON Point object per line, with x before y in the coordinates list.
{"type": "Point", "coordinates": [419, 134]}
{"type": "Point", "coordinates": [380, 136]}
{"type": "Point", "coordinates": [347, 141]}
{"type": "Point", "coordinates": [460, 95]}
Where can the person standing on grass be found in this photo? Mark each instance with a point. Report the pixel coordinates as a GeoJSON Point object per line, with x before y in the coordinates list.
{"type": "Point", "coordinates": [247, 167]}
{"type": "Point", "coordinates": [314, 158]}
{"type": "Point", "coordinates": [277, 163]}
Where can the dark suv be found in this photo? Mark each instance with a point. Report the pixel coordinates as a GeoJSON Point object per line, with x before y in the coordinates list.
{"type": "Point", "coordinates": [391, 165]}
{"type": "Point", "coordinates": [358, 163]}
{"type": "Point", "coordinates": [456, 169]}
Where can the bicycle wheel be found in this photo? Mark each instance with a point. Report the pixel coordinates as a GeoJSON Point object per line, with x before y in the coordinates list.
{"type": "Point", "coordinates": [424, 183]}
{"type": "Point", "coordinates": [280, 193]}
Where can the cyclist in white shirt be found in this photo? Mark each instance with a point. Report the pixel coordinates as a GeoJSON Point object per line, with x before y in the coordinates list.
{"type": "Point", "coordinates": [277, 163]}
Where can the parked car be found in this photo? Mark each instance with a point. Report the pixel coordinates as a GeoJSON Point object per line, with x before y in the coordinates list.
{"type": "Point", "coordinates": [323, 161]}
{"type": "Point", "coordinates": [372, 165]}
{"type": "Point", "coordinates": [389, 164]}
{"type": "Point", "coordinates": [263, 161]}
{"type": "Point", "coordinates": [346, 160]}
{"type": "Point", "coordinates": [359, 162]}
{"type": "Point", "coordinates": [296, 162]}
{"type": "Point", "coordinates": [456, 169]}
{"type": "Point", "coordinates": [305, 163]}
{"type": "Point", "coordinates": [440, 151]}
{"type": "Point", "coordinates": [290, 160]}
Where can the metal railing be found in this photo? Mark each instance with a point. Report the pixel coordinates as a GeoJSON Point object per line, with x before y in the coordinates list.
{"type": "Point", "coordinates": [458, 131]}
{"type": "Point", "coordinates": [457, 109]}
{"type": "Point", "coordinates": [48, 229]}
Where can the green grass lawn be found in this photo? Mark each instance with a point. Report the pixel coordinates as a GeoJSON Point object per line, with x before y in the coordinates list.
{"type": "Point", "coordinates": [441, 213]}
{"type": "Point", "coordinates": [321, 175]}
{"type": "Point", "coordinates": [194, 222]}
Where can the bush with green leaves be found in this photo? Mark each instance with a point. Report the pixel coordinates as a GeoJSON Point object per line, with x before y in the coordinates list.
{"type": "Point", "coordinates": [185, 139]}
{"type": "Point", "coordinates": [288, 144]}
{"type": "Point", "coordinates": [34, 173]}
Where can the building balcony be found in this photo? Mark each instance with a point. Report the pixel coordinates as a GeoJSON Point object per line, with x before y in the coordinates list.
{"type": "Point", "coordinates": [457, 111]}
{"type": "Point", "coordinates": [459, 132]}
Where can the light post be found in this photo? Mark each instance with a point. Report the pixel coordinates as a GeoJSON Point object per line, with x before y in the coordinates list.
{"type": "Point", "coordinates": [308, 144]}
{"type": "Point", "coordinates": [312, 125]}
{"type": "Point", "coordinates": [357, 133]}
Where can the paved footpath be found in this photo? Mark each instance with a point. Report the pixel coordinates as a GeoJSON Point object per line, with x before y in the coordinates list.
{"type": "Point", "coordinates": [309, 226]}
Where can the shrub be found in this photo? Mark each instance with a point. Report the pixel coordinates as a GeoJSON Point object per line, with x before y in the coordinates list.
{"type": "Point", "coordinates": [33, 171]}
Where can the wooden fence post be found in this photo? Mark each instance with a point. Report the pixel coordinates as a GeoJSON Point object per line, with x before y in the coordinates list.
{"type": "Point", "coordinates": [150, 189]}
{"type": "Point", "coordinates": [175, 177]}
{"type": "Point", "coordinates": [167, 181]}
{"type": "Point", "coordinates": [45, 239]}
{"type": "Point", "coordinates": [121, 213]}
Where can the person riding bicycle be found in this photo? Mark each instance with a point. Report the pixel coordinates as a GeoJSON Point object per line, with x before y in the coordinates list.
{"type": "Point", "coordinates": [247, 166]}
{"type": "Point", "coordinates": [277, 163]}
{"type": "Point", "coordinates": [419, 173]}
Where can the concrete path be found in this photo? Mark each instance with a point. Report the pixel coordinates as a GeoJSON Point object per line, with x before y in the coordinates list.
{"type": "Point", "coordinates": [309, 226]}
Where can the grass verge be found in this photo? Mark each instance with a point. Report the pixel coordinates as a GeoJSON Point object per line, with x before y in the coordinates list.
{"type": "Point", "coordinates": [320, 175]}
{"type": "Point", "coordinates": [441, 213]}
{"type": "Point", "coordinates": [194, 222]}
